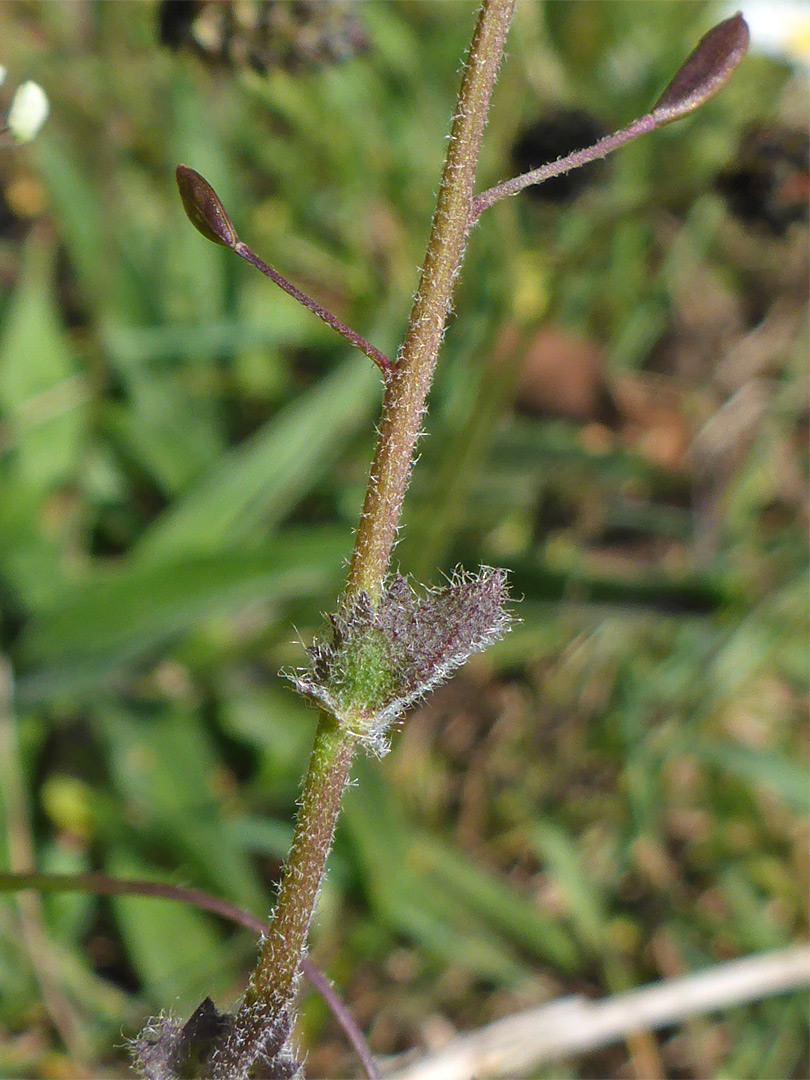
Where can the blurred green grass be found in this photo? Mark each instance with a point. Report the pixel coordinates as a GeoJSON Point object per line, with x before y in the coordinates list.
{"type": "Point", "coordinates": [615, 793]}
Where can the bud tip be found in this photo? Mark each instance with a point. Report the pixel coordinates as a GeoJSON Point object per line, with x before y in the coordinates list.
{"type": "Point", "coordinates": [204, 208]}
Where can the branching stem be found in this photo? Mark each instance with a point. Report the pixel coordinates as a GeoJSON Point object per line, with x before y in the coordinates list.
{"type": "Point", "coordinates": [407, 389]}
{"type": "Point", "coordinates": [262, 1024]}
{"type": "Point", "coordinates": [563, 165]}
{"type": "Point", "coordinates": [383, 362]}
{"type": "Point", "coordinates": [267, 1006]}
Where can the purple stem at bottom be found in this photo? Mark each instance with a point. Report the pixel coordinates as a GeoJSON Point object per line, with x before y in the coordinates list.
{"type": "Point", "coordinates": [107, 886]}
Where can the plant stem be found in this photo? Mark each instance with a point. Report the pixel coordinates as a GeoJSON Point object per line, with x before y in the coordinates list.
{"type": "Point", "coordinates": [704, 72]}
{"type": "Point", "coordinates": [565, 164]}
{"type": "Point", "coordinates": [372, 352]}
{"type": "Point", "coordinates": [274, 981]}
{"type": "Point", "coordinates": [264, 1017]}
{"type": "Point", "coordinates": [407, 389]}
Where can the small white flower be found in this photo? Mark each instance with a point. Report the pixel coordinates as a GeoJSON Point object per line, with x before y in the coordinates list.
{"type": "Point", "coordinates": [28, 111]}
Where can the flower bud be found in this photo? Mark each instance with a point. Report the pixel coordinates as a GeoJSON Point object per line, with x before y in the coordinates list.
{"type": "Point", "coordinates": [29, 109]}
{"type": "Point", "coordinates": [204, 208]}
{"type": "Point", "coordinates": [705, 71]}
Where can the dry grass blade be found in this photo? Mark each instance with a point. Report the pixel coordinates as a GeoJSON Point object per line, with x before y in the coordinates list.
{"type": "Point", "coordinates": [519, 1043]}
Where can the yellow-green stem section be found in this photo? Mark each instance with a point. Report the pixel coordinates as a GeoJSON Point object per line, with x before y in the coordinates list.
{"type": "Point", "coordinates": [274, 980]}
{"type": "Point", "coordinates": [408, 385]}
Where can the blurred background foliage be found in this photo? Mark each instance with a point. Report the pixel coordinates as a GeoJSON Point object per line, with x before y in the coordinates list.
{"type": "Point", "coordinates": [614, 794]}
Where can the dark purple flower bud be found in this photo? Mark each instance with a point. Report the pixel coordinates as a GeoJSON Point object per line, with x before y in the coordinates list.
{"type": "Point", "coordinates": [706, 71]}
{"type": "Point", "coordinates": [204, 209]}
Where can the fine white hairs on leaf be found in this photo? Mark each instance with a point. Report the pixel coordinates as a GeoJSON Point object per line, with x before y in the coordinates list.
{"type": "Point", "coordinates": [375, 662]}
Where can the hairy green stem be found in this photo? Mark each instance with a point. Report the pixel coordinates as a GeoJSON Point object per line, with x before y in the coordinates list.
{"type": "Point", "coordinates": [274, 981]}
{"type": "Point", "coordinates": [265, 1014]}
{"type": "Point", "coordinates": [408, 385]}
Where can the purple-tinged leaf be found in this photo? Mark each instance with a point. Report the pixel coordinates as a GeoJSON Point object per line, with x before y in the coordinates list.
{"type": "Point", "coordinates": [707, 70]}
{"type": "Point", "coordinates": [204, 208]}
{"type": "Point", "coordinates": [167, 1050]}
{"type": "Point", "coordinates": [376, 662]}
